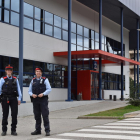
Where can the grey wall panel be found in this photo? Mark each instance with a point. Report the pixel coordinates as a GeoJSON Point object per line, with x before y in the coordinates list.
{"type": "Point", "coordinates": [134, 5]}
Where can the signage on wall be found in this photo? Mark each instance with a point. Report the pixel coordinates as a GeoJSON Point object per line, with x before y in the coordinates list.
{"type": "Point", "coordinates": [94, 65]}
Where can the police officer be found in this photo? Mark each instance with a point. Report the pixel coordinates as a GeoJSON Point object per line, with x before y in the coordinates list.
{"type": "Point", "coordinates": [38, 90]}
{"type": "Point", "coordinates": [9, 90]}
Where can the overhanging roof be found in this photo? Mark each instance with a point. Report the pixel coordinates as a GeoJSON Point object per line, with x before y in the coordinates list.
{"type": "Point", "coordinates": [96, 54]}
{"type": "Point", "coordinates": [111, 10]}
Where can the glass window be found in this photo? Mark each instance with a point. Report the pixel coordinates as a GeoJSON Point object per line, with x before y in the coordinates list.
{"type": "Point", "coordinates": [73, 47]}
{"type": "Point", "coordinates": [28, 9]}
{"type": "Point", "coordinates": [79, 48]}
{"type": "Point", "coordinates": [96, 36]}
{"type": "Point", "coordinates": [7, 4]}
{"type": "Point", "coordinates": [48, 17]}
{"type": "Point", "coordinates": [48, 30]}
{"type": "Point", "coordinates": [48, 69]}
{"type": "Point", "coordinates": [57, 21]}
{"type": "Point", "coordinates": [57, 70]}
{"type": "Point", "coordinates": [92, 45]}
{"type": "Point", "coordinates": [28, 66]}
{"type": "Point", "coordinates": [103, 47]}
{"type": "Point", "coordinates": [79, 40]}
{"type": "Point", "coordinates": [50, 80]}
{"type": "Point", "coordinates": [92, 34]}
{"type": "Point", "coordinates": [86, 32]}
{"type": "Point", "coordinates": [15, 5]}
{"type": "Point", "coordinates": [79, 30]}
{"type": "Point", "coordinates": [73, 38]}
{"type": "Point", "coordinates": [57, 32]}
{"type": "Point", "coordinates": [27, 78]}
{"type": "Point", "coordinates": [73, 27]}
{"type": "Point", "coordinates": [0, 2]}
{"type": "Point", "coordinates": [37, 26]}
{"type": "Point", "coordinates": [64, 82]}
{"type": "Point", "coordinates": [15, 63]}
{"type": "Point", "coordinates": [37, 13]}
{"type": "Point", "coordinates": [6, 16]}
{"type": "Point", "coordinates": [14, 18]}
{"type": "Point", "coordinates": [28, 23]}
{"type": "Point", "coordinates": [65, 35]}
{"type": "Point", "coordinates": [86, 42]}
{"type": "Point", "coordinates": [103, 39]}
{"type": "Point", "coordinates": [57, 81]}
{"type": "Point", "coordinates": [96, 46]}
{"type": "Point", "coordinates": [0, 13]}
{"type": "Point", "coordinates": [65, 24]}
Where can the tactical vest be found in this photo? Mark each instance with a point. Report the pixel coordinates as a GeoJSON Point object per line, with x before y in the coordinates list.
{"type": "Point", "coordinates": [38, 86]}
{"type": "Point", "coordinates": [10, 86]}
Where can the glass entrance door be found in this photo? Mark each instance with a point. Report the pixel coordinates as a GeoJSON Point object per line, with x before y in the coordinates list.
{"type": "Point", "coordinates": [94, 86]}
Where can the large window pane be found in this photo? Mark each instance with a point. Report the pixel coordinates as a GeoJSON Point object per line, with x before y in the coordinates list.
{"type": "Point", "coordinates": [28, 9]}
{"type": "Point", "coordinates": [48, 69]}
{"type": "Point", "coordinates": [15, 5]}
{"type": "Point", "coordinates": [0, 13]}
{"type": "Point", "coordinates": [37, 26]}
{"type": "Point", "coordinates": [65, 35]}
{"type": "Point", "coordinates": [92, 35]}
{"type": "Point", "coordinates": [73, 27]}
{"type": "Point", "coordinates": [86, 42]}
{"type": "Point", "coordinates": [79, 48]}
{"type": "Point", "coordinates": [57, 82]}
{"type": "Point", "coordinates": [57, 33]}
{"type": "Point", "coordinates": [103, 39]}
{"type": "Point", "coordinates": [57, 21]}
{"type": "Point", "coordinates": [6, 16]}
{"type": "Point", "coordinates": [79, 40]}
{"type": "Point", "coordinates": [48, 17]}
{"type": "Point", "coordinates": [73, 38]}
{"type": "Point", "coordinates": [96, 46]}
{"type": "Point", "coordinates": [73, 47]}
{"type": "Point", "coordinates": [37, 13]}
{"type": "Point", "coordinates": [27, 79]}
{"type": "Point", "coordinates": [28, 23]}
{"type": "Point", "coordinates": [0, 2]}
{"type": "Point", "coordinates": [86, 32]}
{"type": "Point", "coordinates": [15, 63]}
{"type": "Point", "coordinates": [92, 45]}
{"type": "Point", "coordinates": [65, 24]}
{"type": "Point", "coordinates": [7, 4]}
{"type": "Point", "coordinates": [96, 36]}
{"type": "Point", "coordinates": [14, 19]}
{"type": "Point", "coordinates": [48, 30]}
{"type": "Point", "coordinates": [57, 70]}
{"type": "Point", "coordinates": [79, 30]}
{"type": "Point", "coordinates": [28, 66]}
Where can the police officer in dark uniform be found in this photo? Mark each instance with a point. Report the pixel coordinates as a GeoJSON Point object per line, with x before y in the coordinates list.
{"type": "Point", "coordinates": [9, 91]}
{"type": "Point", "coordinates": [38, 90]}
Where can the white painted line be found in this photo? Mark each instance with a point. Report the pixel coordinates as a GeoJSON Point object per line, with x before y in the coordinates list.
{"type": "Point", "coordinates": [132, 124]}
{"type": "Point", "coordinates": [100, 136]}
{"type": "Point", "coordinates": [53, 139]}
{"type": "Point", "coordinates": [118, 127]}
{"type": "Point", "coordinates": [130, 121]}
{"type": "Point", "coordinates": [133, 119]}
{"type": "Point", "coordinates": [110, 131]}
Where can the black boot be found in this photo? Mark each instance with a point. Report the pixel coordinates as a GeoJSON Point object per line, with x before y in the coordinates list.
{"type": "Point", "coordinates": [36, 132]}
{"type": "Point", "coordinates": [3, 133]}
{"type": "Point", "coordinates": [47, 133]}
{"type": "Point", "coordinates": [14, 133]}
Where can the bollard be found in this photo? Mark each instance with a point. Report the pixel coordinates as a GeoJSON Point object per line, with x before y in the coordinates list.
{"type": "Point", "coordinates": [110, 97]}
{"type": "Point", "coordinates": [114, 97]}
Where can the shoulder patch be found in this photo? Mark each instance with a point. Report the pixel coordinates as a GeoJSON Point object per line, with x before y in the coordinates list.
{"type": "Point", "coordinates": [14, 77]}
{"type": "Point", "coordinates": [44, 77]}
{"type": "Point", "coordinates": [5, 77]}
{"type": "Point", "coordinates": [34, 78]}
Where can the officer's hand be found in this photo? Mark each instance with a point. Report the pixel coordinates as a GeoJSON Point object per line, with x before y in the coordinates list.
{"type": "Point", "coordinates": [40, 95]}
{"type": "Point", "coordinates": [34, 96]}
{"type": "Point", "coordinates": [19, 102]}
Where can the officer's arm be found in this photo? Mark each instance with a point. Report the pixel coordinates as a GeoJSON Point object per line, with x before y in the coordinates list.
{"type": "Point", "coordinates": [1, 84]}
{"type": "Point", "coordinates": [48, 87]}
{"type": "Point", "coordinates": [19, 91]}
{"type": "Point", "coordinates": [30, 89]}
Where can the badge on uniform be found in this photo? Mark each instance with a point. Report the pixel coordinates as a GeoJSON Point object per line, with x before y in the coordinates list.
{"type": "Point", "coordinates": [41, 81]}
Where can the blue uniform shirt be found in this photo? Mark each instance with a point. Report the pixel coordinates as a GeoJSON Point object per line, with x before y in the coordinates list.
{"type": "Point", "coordinates": [2, 81]}
{"type": "Point", "coordinates": [46, 82]}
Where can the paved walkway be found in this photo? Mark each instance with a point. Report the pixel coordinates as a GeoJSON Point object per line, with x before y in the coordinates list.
{"type": "Point", "coordinates": [64, 120]}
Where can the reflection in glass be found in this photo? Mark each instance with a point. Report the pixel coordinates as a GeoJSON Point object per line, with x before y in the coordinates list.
{"type": "Point", "coordinates": [37, 26]}
{"type": "Point", "coordinates": [106, 48]}
{"type": "Point", "coordinates": [92, 45]}
{"type": "Point", "coordinates": [79, 40]}
{"type": "Point", "coordinates": [37, 13]}
{"type": "Point", "coordinates": [92, 34]}
{"type": "Point", "coordinates": [86, 32]}
{"type": "Point", "coordinates": [79, 48]}
{"type": "Point", "coordinates": [65, 35]}
{"type": "Point", "coordinates": [28, 23]}
{"type": "Point", "coordinates": [86, 48]}
{"type": "Point", "coordinates": [86, 42]}
{"type": "Point", "coordinates": [65, 24]}
{"type": "Point", "coordinates": [0, 2]}
{"type": "Point", "coordinates": [50, 80]}
{"type": "Point", "coordinates": [73, 27]}
{"type": "Point", "coordinates": [57, 82]}
{"type": "Point", "coordinates": [28, 66]}
{"type": "Point", "coordinates": [96, 46]}
{"type": "Point", "coordinates": [57, 21]}
{"type": "Point", "coordinates": [73, 38]}
{"type": "Point", "coordinates": [0, 13]}
{"type": "Point", "coordinates": [73, 47]}
{"type": "Point", "coordinates": [57, 32]}
{"type": "Point", "coordinates": [6, 16]}
{"type": "Point", "coordinates": [79, 30]}
{"type": "Point", "coordinates": [103, 39]}
{"type": "Point", "coordinates": [96, 36]}
{"type": "Point", "coordinates": [48, 69]}
{"type": "Point", "coordinates": [14, 19]}
{"type": "Point", "coordinates": [48, 17]}
{"type": "Point", "coordinates": [7, 4]}
{"type": "Point", "coordinates": [57, 70]}
{"type": "Point", "coordinates": [48, 30]}
{"type": "Point", "coordinates": [28, 9]}
{"type": "Point", "coordinates": [15, 5]}
{"type": "Point", "coordinates": [15, 63]}
{"type": "Point", "coordinates": [103, 47]}
{"type": "Point", "coordinates": [27, 78]}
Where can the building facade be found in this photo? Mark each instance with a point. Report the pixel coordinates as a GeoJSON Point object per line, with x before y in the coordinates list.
{"type": "Point", "coordinates": [46, 32]}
